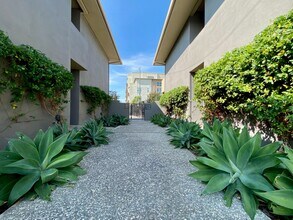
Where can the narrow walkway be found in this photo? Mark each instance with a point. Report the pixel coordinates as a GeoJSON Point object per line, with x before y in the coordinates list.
{"type": "Point", "coordinates": [137, 176]}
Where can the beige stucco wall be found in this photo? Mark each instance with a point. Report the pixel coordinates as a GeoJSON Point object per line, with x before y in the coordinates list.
{"type": "Point", "coordinates": [233, 25]}
{"type": "Point", "coordinates": [46, 25]}
{"type": "Point", "coordinates": [96, 64]}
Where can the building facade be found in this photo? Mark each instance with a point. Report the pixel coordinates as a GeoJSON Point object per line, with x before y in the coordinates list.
{"type": "Point", "coordinates": [142, 84]}
{"type": "Point", "coordinates": [199, 32]}
{"type": "Point", "coordinates": [73, 33]}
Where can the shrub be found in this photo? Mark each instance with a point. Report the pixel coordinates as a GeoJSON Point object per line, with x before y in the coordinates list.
{"type": "Point", "coordinates": [175, 101]}
{"type": "Point", "coordinates": [30, 74]}
{"type": "Point", "coordinates": [36, 165]}
{"type": "Point", "coordinates": [281, 202]}
{"type": "Point", "coordinates": [184, 134]}
{"type": "Point", "coordinates": [235, 162]}
{"type": "Point", "coordinates": [152, 97]}
{"type": "Point", "coordinates": [136, 100]}
{"type": "Point", "coordinates": [254, 81]}
{"type": "Point", "coordinates": [161, 120]}
{"type": "Point", "coordinates": [95, 97]}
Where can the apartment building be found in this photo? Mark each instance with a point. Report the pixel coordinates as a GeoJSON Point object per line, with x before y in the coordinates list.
{"type": "Point", "coordinates": [142, 84]}
{"type": "Point", "coordinates": [73, 33]}
{"type": "Point", "coordinates": [199, 32]}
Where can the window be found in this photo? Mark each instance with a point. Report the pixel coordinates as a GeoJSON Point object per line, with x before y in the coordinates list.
{"type": "Point", "coordinates": [159, 83]}
{"type": "Point", "coordinates": [159, 90]}
{"type": "Point", "coordinates": [75, 14]}
{"type": "Point", "coordinates": [138, 91]}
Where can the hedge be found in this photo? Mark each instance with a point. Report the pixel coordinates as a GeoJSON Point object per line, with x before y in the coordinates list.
{"type": "Point", "coordinates": [175, 101]}
{"type": "Point", "coordinates": [254, 81]}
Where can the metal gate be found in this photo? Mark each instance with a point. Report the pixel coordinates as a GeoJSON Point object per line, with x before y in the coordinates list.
{"type": "Point", "coordinates": [137, 111]}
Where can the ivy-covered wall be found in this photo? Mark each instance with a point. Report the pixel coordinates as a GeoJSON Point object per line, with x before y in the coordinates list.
{"type": "Point", "coordinates": [97, 101]}
{"type": "Point", "coordinates": [254, 82]}
{"type": "Point", "coordinates": [33, 88]}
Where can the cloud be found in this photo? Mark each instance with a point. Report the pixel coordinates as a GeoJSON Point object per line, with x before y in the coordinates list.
{"type": "Point", "coordinates": [138, 63]}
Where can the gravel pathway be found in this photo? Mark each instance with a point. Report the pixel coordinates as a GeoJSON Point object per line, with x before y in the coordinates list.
{"type": "Point", "coordinates": [137, 176]}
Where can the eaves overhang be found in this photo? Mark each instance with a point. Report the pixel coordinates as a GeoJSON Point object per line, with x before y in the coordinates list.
{"type": "Point", "coordinates": [178, 13]}
{"type": "Point", "coordinates": [95, 16]}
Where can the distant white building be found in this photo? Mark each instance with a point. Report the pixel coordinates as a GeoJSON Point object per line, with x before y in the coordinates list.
{"type": "Point", "coordinates": [142, 84]}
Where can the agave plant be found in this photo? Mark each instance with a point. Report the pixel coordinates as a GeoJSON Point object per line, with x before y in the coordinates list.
{"type": "Point", "coordinates": [281, 200]}
{"type": "Point", "coordinates": [59, 129]}
{"type": "Point", "coordinates": [161, 120]}
{"type": "Point", "coordinates": [184, 134]}
{"type": "Point", "coordinates": [113, 120]}
{"type": "Point", "coordinates": [235, 163]}
{"type": "Point", "coordinates": [93, 134]}
{"type": "Point", "coordinates": [35, 165]}
{"type": "Point", "coordinates": [74, 141]}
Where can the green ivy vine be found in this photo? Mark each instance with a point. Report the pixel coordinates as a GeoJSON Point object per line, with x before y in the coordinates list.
{"type": "Point", "coordinates": [95, 97]}
{"type": "Point", "coordinates": [28, 74]}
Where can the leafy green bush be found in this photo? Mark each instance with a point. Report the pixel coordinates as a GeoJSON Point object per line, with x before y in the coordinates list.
{"type": "Point", "coordinates": [281, 200]}
{"type": "Point", "coordinates": [113, 120]}
{"type": "Point", "coordinates": [30, 74]}
{"type": "Point", "coordinates": [161, 120]}
{"type": "Point", "coordinates": [36, 165]}
{"type": "Point", "coordinates": [235, 162]}
{"type": "Point", "coordinates": [95, 97]}
{"type": "Point", "coordinates": [93, 134]}
{"type": "Point", "coordinates": [175, 101]}
{"type": "Point", "coordinates": [136, 100]}
{"type": "Point", "coordinates": [254, 81]}
{"type": "Point", "coordinates": [184, 134]}
{"type": "Point", "coordinates": [152, 97]}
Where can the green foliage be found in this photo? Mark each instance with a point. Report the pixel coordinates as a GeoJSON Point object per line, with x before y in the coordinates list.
{"type": "Point", "coordinates": [114, 95]}
{"type": "Point", "coordinates": [59, 129]}
{"type": "Point", "coordinates": [113, 120]}
{"type": "Point", "coordinates": [152, 97]}
{"type": "Point", "coordinates": [235, 162]}
{"type": "Point", "coordinates": [36, 165]}
{"type": "Point", "coordinates": [30, 74]}
{"type": "Point", "coordinates": [184, 134]}
{"type": "Point", "coordinates": [95, 97]}
{"type": "Point", "coordinates": [75, 142]}
{"type": "Point", "coordinates": [161, 120]}
{"type": "Point", "coordinates": [176, 101]}
{"type": "Point", "coordinates": [6, 46]}
{"type": "Point", "coordinates": [136, 100]}
{"type": "Point", "coordinates": [281, 200]}
{"type": "Point", "coordinates": [93, 134]}
{"type": "Point", "coordinates": [254, 81]}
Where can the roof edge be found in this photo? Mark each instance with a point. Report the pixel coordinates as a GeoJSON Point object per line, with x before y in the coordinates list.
{"type": "Point", "coordinates": [171, 7]}
{"type": "Point", "coordinates": [94, 7]}
{"type": "Point", "coordinates": [178, 14]}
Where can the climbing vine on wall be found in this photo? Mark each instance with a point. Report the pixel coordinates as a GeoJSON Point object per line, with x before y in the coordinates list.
{"type": "Point", "coordinates": [28, 74]}
{"type": "Point", "coordinates": [95, 97]}
{"type": "Point", "coordinates": [253, 81]}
